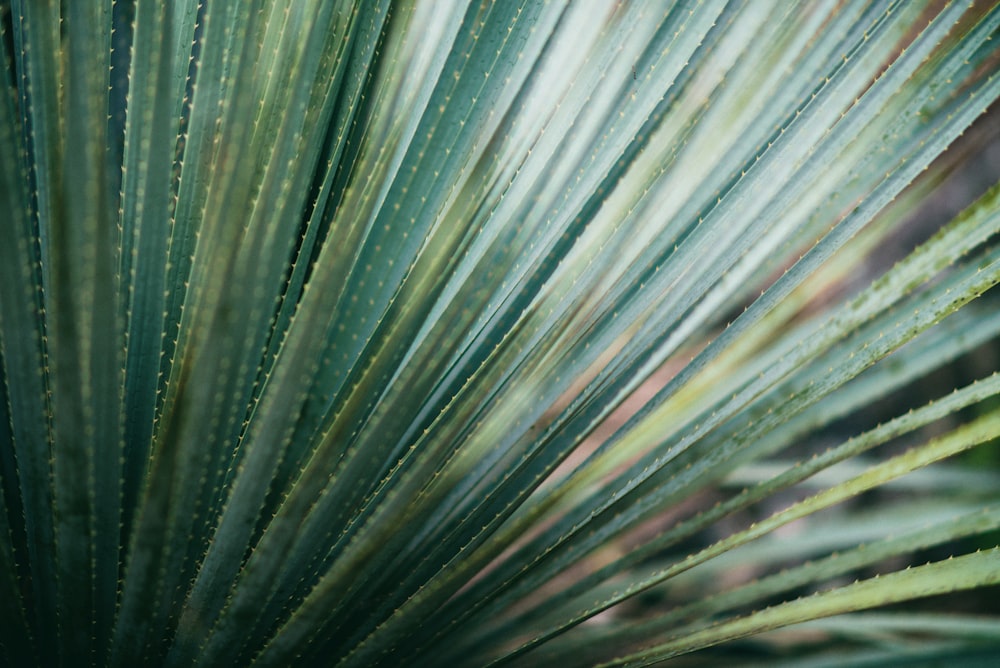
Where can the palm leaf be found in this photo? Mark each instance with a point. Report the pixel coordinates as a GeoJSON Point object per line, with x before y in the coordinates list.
{"type": "Point", "coordinates": [498, 333]}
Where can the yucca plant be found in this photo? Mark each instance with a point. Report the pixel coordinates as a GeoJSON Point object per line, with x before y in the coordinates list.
{"type": "Point", "coordinates": [513, 333]}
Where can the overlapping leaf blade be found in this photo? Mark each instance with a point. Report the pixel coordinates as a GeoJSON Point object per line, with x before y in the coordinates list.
{"type": "Point", "coordinates": [485, 333]}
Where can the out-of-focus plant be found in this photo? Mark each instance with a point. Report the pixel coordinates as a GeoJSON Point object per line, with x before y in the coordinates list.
{"type": "Point", "coordinates": [457, 333]}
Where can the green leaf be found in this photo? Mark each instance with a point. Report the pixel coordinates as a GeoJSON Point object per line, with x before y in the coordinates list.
{"type": "Point", "coordinates": [971, 570]}
{"type": "Point", "coordinates": [485, 333]}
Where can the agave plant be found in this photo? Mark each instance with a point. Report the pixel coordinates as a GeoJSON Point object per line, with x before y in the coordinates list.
{"type": "Point", "coordinates": [527, 333]}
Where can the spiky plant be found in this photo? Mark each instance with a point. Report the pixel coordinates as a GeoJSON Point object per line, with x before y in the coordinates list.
{"type": "Point", "coordinates": [521, 333]}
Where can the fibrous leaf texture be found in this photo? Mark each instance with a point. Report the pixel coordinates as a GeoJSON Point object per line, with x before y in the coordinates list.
{"type": "Point", "coordinates": [499, 333]}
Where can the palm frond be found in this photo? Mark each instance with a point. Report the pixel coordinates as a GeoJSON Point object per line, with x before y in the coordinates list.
{"type": "Point", "coordinates": [498, 333]}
